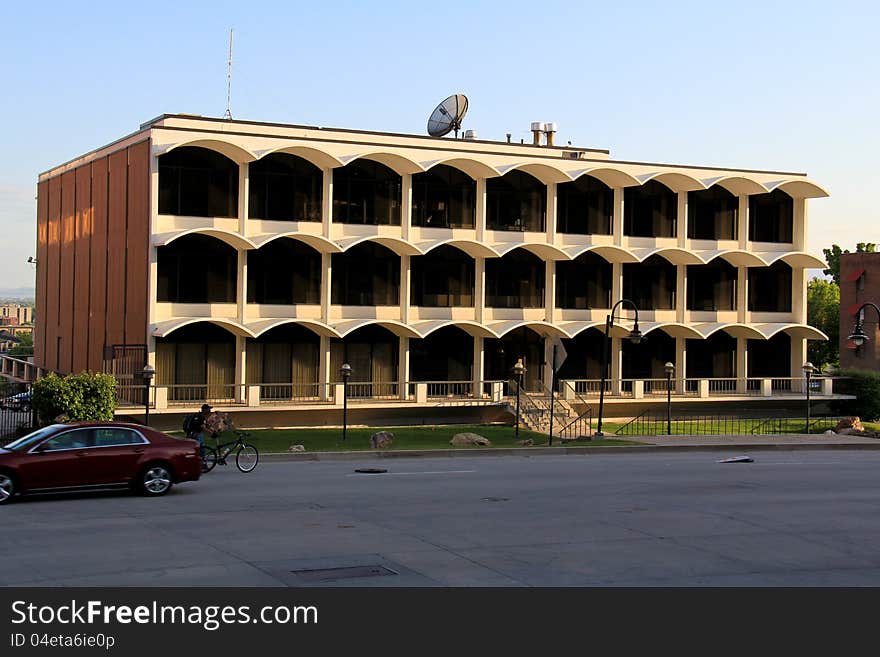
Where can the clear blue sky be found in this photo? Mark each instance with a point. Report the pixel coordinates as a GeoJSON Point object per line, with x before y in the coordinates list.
{"type": "Point", "coordinates": [776, 85]}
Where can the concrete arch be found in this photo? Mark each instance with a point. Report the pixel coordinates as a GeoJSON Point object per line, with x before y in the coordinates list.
{"type": "Point", "coordinates": [734, 329]}
{"type": "Point", "coordinates": [396, 327]}
{"type": "Point", "coordinates": [736, 185]}
{"type": "Point", "coordinates": [798, 188]}
{"type": "Point", "coordinates": [473, 248]}
{"type": "Point", "coordinates": [232, 151]}
{"type": "Point", "coordinates": [574, 329]}
{"type": "Point", "coordinates": [798, 259]}
{"type": "Point", "coordinates": [395, 244]}
{"type": "Point", "coordinates": [233, 239]}
{"type": "Point", "coordinates": [543, 172]}
{"type": "Point", "coordinates": [542, 250]}
{"type": "Point", "coordinates": [319, 243]}
{"type": "Point", "coordinates": [609, 252]}
{"type": "Point", "coordinates": [398, 163]}
{"type": "Point", "coordinates": [794, 330]}
{"type": "Point", "coordinates": [540, 327]}
{"type": "Point", "coordinates": [675, 256]}
{"type": "Point", "coordinates": [474, 168]}
{"type": "Point", "coordinates": [163, 329]}
{"type": "Point", "coordinates": [258, 328]}
{"type": "Point", "coordinates": [608, 175]}
{"type": "Point", "coordinates": [674, 330]}
{"type": "Point", "coordinates": [319, 158]}
{"type": "Point", "coordinates": [472, 328]}
{"type": "Point", "coordinates": [737, 258]}
{"type": "Point", "coordinates": [677, 182]}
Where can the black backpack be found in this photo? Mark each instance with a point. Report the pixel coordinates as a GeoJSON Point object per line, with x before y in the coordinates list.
{"type": "Point", "coordinates": [189, 423]}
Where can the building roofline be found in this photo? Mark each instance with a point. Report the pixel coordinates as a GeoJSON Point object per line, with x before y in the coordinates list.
{"type": "Point", "coordinates": [122, 142]}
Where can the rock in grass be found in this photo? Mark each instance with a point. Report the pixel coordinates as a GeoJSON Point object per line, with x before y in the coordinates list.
{"type": "Point", "coordinates": [469, 440]}
{"type": "Point", "coordinates": [296, 448]}
{"type": "Point", "coordinates": [381, 439]}
{"type": "Point", "coordinates": [528, 442]}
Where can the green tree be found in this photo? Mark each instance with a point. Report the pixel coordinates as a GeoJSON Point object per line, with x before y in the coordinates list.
{"type": "Point", "coordinates": [83, 396]}
{"type": "Point", "coordinates": [823, 312]}
{"type": "Point", "coordinates": [832, 258]}
{"type": "Point", "coordinates": [25, 346]}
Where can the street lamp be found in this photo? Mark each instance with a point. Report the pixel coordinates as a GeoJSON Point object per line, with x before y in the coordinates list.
{"type": "Point", "coordinates": [518, 369]}
{"type": "Point", "coordinates": [808, 372]}
{"type": "Point", "coordinates": [669, 368]}
{"type": "Point", "coordinates": [148, 373]}
{"type": "Point", "coordinates": [858, 336]}
{"type": "Point", "coordinates": [345, 371]}
{"type": "Point", "coordinates": [635, 336]}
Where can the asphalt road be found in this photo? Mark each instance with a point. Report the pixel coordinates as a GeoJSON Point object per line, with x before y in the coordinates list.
{"type": "Point", "coordinates": [793, 518]}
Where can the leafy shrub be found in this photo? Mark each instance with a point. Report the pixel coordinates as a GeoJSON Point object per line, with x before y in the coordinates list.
{"type": "Point", "coordinates": [865, 386]}
{"type": "Point", "coordinates": [83, 396]}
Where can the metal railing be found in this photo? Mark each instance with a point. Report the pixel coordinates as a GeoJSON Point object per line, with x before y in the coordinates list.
{"type": "Point", "coordinates": [580, 427]}
{"type": "Point", "coordinates": [231, 394]}
{"type": "Point", "coordinates": [651, 423]}
{"type": "Point", "coordinates": [450, 389]}
{"type": "Point", "coordinates": [368, 391]}
{"type": "Point", "coordinates": [291, 393]}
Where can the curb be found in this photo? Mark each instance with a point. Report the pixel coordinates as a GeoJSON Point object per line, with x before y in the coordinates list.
{"type": "Point", "coordinates": [551, 451]}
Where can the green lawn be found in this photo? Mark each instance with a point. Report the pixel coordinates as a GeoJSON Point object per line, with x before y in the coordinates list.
{"type": "Point", "coordinates": [412, 438]}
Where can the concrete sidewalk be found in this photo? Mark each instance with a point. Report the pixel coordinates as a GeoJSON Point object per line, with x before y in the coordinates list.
{"type": "Point", "coordinates": [740, 443]}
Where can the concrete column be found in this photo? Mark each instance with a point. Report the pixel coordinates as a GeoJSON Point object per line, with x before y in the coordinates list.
{"type": "Point", "coordinates": [327, 203]}
{"type": "Point", "coordinates": [703, 388]}
{"type": "Point", "coordinates": [324, 367]}
{"type": "Point", "coordinates": [241, 291]}
{"type": "Point", "coordinates": [479, 288]}
{"type": "Point", "coordinates": [153, 274]}
{"type": "Point", "coordinates": [680, 364]}
{"type": "Point", "coordinates": [617, 217]}
{"type": "Point", "coordinates": [616, 282]}
{"type": "Point", "coordinates": [798, 357]}
{"type": "Point", "coordinates": [480, 210]}
{"type": "Point", "coordinates": [682, 223]}
{"type": "Point", "coordinates": [421, 393]}
{"type": "Point", "coordinates": [253, 396]}
{"type": "Point", "coordinates": [680, 292]}
{"type": "Point", "coordinates": [406, 205]}
{"type": "Point", "coordinates": [403, 367]}
{"type": "Point", "coordinates": [549, 289]}
{"type": "Point", "coordinates": [326, 286]}
{"type": "Point", "coordinates": [548, 362]}
{"type": "Point", "coordinates": [742, 226]}
{"type": "Point", "coordinates": [742, 365]}
{"type": "Point", "coordinates": [551, 213]}
{"type": "Point", "coordinates": [799, 294]}
{"type": "Point", "coordinates": [479, 367]}
{"type": "Point", "coordinates": [766, 387]}
{"type": "Point", "coordinates": [742, 293]}
{"type": "Point", "coordinates": [240, 368]}
{"type": "Point", "coordinates": [616, 367]}
{"type": "Point", "coordinates": [405, 296]}
{"type": "Point", "coordinates": [638, 389]}
{"type": "Point", "coordinates": [243, 197]}
{"type": "Point", "coordinates": [799, 227]}
{"type": "Point", "coordinates": [161, 397]}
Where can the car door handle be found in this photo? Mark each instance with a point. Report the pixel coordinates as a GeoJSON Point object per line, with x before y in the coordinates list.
{"type": "Point", "coordinates": [138, 450]}
{"type": "Point", "coordinates": [82, 454]}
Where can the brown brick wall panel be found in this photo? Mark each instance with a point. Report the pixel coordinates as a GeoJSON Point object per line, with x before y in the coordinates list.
{"type": "Point", "coordinates": [98, 266]}
{"type": "Point", "coordinates": [116, 228]}
{"type": "Point", "coordinates": [42, 262]}
{"type": "Point", "coordinates": [82, 236]}
{"type": "Point", "coordinates": [137, 238]}
{"type": "Point", "coordinates": [67, 279]}
{"type": "Point", "coordinates": [52, 264]}
{"type": "Point", "coordinates": [851, 297]}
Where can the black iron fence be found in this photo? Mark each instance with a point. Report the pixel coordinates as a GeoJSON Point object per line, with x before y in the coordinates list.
{"type": "Point", "coordinates": [16, 413]}
{"type": "Point", "coordinates": [657, 424]}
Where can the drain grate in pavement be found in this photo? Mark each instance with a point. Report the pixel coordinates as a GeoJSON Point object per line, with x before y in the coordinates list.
{"type": "Point", "coordinates": [347, 572]}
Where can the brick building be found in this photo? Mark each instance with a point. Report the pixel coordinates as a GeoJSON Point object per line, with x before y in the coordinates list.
{"type": "Point", "coordinates": [859, 283]}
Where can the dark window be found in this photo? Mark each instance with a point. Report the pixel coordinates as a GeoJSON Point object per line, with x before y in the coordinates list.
{"type": "Point", "coordinates": [76, 439]}
{"type": "Point", "coordinates": [366, 192]}
{"type": "Point", "coordinates": [372, 352]}
{"type": "Point", "coordinates": [711, 287]}
{"type": "Point", "coordinates": [584, 207]}
{"type": "Point", "coordinates": [771, 217]}
{"type": "Point", "coordinates": [284, 187]}
{"type": "Point", "coordinates": [585, 282]}
{"type": "Point", "coordinates": [443, 198]}
{"type": "Point", "coordinates": [442, 278]}
{"type": "Point", "coordinates": [196, 269]}
{"type": "Point", "coordinates": [646, 359]}
{"type": "Point", "coordinates": [649, 210]}
{"type": "Point", "coordinates": [366, 275]}
{"type": "Point", "coordinates": [284, 271]}
{"type": "Point", "coordinates": [197, 182]}
{"type": "Point", "coordinates": [501, 355]}
{"type": "Point", "coordinates": [516, 201]}
{"type": "Point", "coordinates": [650, 284]}
{"type": "Point", "coordinates": [712, 358]}
{"type": "Point", "coordinates": [769, 358]}
{"type": "Point", "coordinates": [515, 281]}
{"type": "Point", "coordinates": [712, 214]}
{"type": "Point", "coordinates": [445, 355]}
{"type": "Point", "coordinates": [770, 288]}
{"type": "Point", "coordinates": [110, 436]}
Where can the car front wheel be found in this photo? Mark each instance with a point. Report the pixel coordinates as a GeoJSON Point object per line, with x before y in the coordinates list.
{"type": "Point", "coordinates": [155, 480]}
{"type": "Point", "coordinates": [7, 487]}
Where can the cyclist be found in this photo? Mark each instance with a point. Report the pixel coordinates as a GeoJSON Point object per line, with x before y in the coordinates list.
{"type": "Point", "coordinates": [197, 425]}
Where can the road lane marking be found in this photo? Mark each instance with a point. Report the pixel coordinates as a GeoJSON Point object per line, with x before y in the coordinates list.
{"type": "Point", "coordinates": [431, 472]}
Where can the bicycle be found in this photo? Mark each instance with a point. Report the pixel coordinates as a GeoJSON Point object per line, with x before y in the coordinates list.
{"type": "Point", "coordinates": [246, 455]}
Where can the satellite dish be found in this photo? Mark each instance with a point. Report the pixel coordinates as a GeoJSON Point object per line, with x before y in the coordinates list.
{"type": "Point", "coordinates": [448, 116]}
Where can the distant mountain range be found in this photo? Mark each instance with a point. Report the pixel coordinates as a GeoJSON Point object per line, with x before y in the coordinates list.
{"type": "Point", "coordinates": [22, 293]}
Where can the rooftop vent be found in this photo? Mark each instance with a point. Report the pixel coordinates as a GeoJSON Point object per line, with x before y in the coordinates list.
{"type": "Point", "coordinates": [537, 129]}
{"type": "Point", "coordinates": [574, 155]}
{"type": "Point", "coordinates": [470, 134]}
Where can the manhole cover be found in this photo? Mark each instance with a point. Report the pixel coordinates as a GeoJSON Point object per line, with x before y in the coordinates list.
{"type": "Point", "coordinates": [371, 470]}
{"type": "Point", "coordinates": [348, 572]}
{"type": "Point", "coordinates": [496, 499]}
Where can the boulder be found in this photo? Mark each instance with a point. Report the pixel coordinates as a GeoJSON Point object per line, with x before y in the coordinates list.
{"type": "Point", "coordinates": [296, 448]}
{"type": "Point", "coordinates": [849, 423]}
{"type": "Point", "coordinates": [528, 442]}
{"type": "Point", "coordinates": [381, 439]}
{"type": "Point", "coordinates": [469, 439]}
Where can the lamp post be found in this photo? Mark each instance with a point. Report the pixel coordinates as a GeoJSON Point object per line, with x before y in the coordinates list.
{"type": "Point", "coordinates": [345, 371]}
{"type": "Point", "coordinates": [518, 369]}
{"type": "Point", "coordinates": [148, 374]}
{"type": "Point", "coordinates": [669, 368]}
{"type": "Point", "coordinates": [858, 336]}
{"type": "Point", "coordinates": [635, 336]}
{"type": "Point", "coordinates": [808, 372]}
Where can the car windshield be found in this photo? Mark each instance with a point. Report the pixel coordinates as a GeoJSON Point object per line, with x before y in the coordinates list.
{"type": "Point", "coordinates": [32, 438]}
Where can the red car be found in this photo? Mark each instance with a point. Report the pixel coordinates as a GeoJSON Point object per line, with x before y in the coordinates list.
{"type": "Point", "coordinates": [97, 454]}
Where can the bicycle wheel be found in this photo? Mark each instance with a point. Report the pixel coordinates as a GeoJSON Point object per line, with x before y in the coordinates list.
{"type": "Point", "coordinates": [247, 458]}
{"type": "Point", "coordinates": [209, 458]}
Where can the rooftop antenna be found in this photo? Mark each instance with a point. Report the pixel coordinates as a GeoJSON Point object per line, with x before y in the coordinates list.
{"type": "Point", "coordinates": [228, 114]}
{"type": "Point", "coordinates": [448, 115]}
